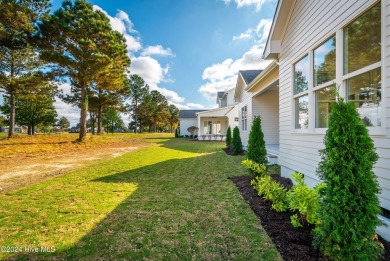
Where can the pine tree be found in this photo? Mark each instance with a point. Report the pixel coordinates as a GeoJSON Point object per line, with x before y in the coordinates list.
{"type": "Point", "coordinates": [237, 144]}
{"type": "Point", "coordinates": [228, 137]}
{"type": "Point", "coordinates": [256, 144]}
{"type": "Point", "coordinates": [350, 205]}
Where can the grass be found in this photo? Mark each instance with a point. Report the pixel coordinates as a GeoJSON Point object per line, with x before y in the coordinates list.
{"type": "Point", "coordinates": [3, 135]}
{"type": "Point", "coordinates": [171, 200]}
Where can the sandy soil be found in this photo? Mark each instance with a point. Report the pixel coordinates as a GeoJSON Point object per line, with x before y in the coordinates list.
{"type": "Point", "coordinates": [24, 171]}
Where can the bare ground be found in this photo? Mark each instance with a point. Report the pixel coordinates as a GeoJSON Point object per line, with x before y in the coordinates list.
{"type": "Point", "coordinates": [18, 172]}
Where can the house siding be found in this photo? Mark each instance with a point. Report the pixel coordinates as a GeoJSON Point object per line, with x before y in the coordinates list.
{"type": "Point", "coordinates": [246, 100]}
{"type": "Point", "coordinates": [266, 105]}
{"type": "Point", "coordinates": [185, 124]}
{"type": "Point", "coordinates": [311, 23]}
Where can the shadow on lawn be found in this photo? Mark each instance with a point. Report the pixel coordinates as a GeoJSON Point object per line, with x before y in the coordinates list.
{"type": "Point", "coordinates": [163, 217]}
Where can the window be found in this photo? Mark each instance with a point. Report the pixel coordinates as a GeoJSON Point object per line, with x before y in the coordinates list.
{"type": "Point", "coordinates": [362, 54]}
{"type": "Point", "coordinates": [212, 127]}
{"type": "Point", "coordinates": [302, 112]}
{"type": "Point", "coordinates": [364, 91]}
{"type": "Point", "coordinates": [324, 61]}
{"type": "Point", "coordinates": [244, 118]}
{"type": "Point", "coordinates": [362, 40]}
{"type": "Point", "coordinates": [301, 86]}
{"type": "Point", "coordinates": [324, 99]}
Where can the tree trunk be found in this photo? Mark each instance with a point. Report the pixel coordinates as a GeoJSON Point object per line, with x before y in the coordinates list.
{"type": "Point", "coordinates": [11, 130]}
{"type": "Point", "coordinates": [83, 112]}
{"type": "Point", "coordinates": [99, 118]}
{"type": "Point", "coordinates": [29, 130]}
{"type": "Point", "coordinates": [33, 129]}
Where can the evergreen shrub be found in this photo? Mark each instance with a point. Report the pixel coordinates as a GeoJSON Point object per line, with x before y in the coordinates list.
{"type": "Point", "coordinates": [236, 142]}
{"type": "Point", "coordinates": [349, 207]}
{"type": "Point", "coordinates": [256, 144]}
{"type": "Point", "coordinates": [228, 137]}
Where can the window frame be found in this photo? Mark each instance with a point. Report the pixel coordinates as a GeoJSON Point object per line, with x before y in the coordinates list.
{"type": "Point", "coordinates": [244, 118]}
{"type": "Point", "coordinates": [341, 79]}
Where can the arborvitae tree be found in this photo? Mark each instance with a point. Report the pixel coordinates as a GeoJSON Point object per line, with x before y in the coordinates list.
{"type": "Point", "coordinates": [350, 206]}
{"type": "Point", "coordinates": [256, 144]}
{"type": "Point", "coordinates": [177, 133]}
{"type": "Point", "coordinates": [228, 137]}
{"type": "Point", "coordinates": [237, 144]}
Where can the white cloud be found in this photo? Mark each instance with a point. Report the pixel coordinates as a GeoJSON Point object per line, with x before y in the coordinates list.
{"type": "Point", "coordinates": [241, 3]}
{"type": "Point", "coordinates": [223, 76]}
{"type": "Point", "coordinates": [189, 106]}
{"type": "Point", "coordinates": [263, 28]}
{"type": "Point", "coordinates": [245, 35]}
{"type": "Point", "coordinates": [122, 23]}
{"type": "Point", "coordinates": [157, 50]}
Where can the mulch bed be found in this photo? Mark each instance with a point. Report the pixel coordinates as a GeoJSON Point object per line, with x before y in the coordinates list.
{"type": "Point", "coordinates": [292, 243]}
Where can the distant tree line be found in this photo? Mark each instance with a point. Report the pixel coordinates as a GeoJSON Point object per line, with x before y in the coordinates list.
{"type": "Point", "coordinates": [75, 44]}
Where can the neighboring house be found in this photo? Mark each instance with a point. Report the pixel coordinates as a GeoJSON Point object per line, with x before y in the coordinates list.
{"type": "Point", "coordinates": [319, 45]}
{"type": "Point", "coordinates": [187, 118]}
{"type": "Point", "coordinates": [214, 123]}
{"type": "Point", "coordinates": [18, 129]}
{"type": "Point", "coordinates": [244, 103]}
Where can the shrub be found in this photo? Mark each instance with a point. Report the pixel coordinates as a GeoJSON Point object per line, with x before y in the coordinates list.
{"type": "Point", "coordinates": [256, 144]}
{"type": "Point", "coordinates": [350, 205]}
{"type": "Point", "coordinates": [256, 168]}
{"type": "Point", "coordinates": [228, 137]}
{"type": "Point", "coordinates": [304, 199]}
{"type": "Point", "coordinates": [177, 133]}
{"type": "Point", "coordinates": [236, 142]}
{"type": "Point", "coordinates": [271, 190]}
{"type": "Point", "coordinates": [192, 130]}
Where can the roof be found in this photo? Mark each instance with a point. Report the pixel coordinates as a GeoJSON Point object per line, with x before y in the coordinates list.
{"type": "Point", "coordinates": [188, 114]}
{"type": "Point", "coordinates": [249, 75]}
{"type": "Point", "coordinates": [220, 95]}
{"type": "Point", "coordinates": [278, 28]}
{"type": "Point", "coordinates": [218, 112]}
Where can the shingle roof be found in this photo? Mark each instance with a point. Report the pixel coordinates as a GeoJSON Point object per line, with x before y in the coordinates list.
{"type": "Point", "coordinates": [220, 95]}
{"type": "Point", "coordinates": [188, 114]}
{"type": "Point", "coordinates": [250, 75]}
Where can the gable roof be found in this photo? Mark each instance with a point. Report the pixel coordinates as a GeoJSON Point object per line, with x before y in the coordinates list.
{"type": "Point", "coordinates": [278, 28]}
{"type": "Point", "coordinates": [188, 114]}
{"type": "Point", "coordinates": [249, 75]}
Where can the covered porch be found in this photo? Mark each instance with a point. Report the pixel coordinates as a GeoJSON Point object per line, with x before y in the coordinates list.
{"type": "Point", "coordinates": [213, 124]}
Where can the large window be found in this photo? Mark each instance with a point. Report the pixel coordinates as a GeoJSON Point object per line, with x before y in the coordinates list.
{"type": "Point", "coordinates": [301, 86]}
{"type": "Point", "coordinates": [362, 40]}
{"type": "Point", "coordinates": [362, 51]}
{"type": "Point", "coordinates": [212, 127]}
{"type": "Point", "coordinates": [354, 70]}
{"type": "Point", "coordinates": [244, 118]}
{"type": "Point", "coordinates": [324, 61]}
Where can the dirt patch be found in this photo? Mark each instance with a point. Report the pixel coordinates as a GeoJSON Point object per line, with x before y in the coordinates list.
{"type": "Point", "coordinates": [231, 153]}
{"type": "Point", "coordinates": [292, 243]}
{"type": "Point", "coordinates": [24, 171]}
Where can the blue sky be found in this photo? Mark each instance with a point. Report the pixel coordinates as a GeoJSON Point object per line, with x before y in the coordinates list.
{"type": "Point", "coordinates": [188, 49]}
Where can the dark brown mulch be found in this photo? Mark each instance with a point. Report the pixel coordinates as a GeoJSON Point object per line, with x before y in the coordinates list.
{"type": "Point", "coordinates": [231, 153]}
{"type": "Point", "coordinates": [292, 243]}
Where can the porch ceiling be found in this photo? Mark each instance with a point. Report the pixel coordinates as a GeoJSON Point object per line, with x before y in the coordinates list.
{"type": "Point", "coordinates": [220, 112]}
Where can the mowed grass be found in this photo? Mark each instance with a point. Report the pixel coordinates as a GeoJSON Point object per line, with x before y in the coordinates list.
{"type": "Point", "coordinates": [3, 135]}
{"type": "Point", "coordinates": [40, 144]}
{"type": "Point", "coordinates": [171, 201]}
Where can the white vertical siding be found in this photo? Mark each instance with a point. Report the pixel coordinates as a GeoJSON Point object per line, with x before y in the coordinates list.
{"type": "Point", "coordinates": [266, 106]}
{"type": "Point", "coordinates": [245, 101]}
{"type": "Point", "coordinates": [310, 24]}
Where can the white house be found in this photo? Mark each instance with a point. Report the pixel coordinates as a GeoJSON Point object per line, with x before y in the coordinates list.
{"type": "Point", "coordinates": [244, 103]}
{"type": "Point", "coordinates": [214, 123]}
{"type": "Point", "coordinates": [319, 45]}
{"type": "Point", "coordinates": [187, 118]}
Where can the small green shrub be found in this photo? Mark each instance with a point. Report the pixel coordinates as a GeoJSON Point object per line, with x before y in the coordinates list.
{"type": "Point", "coordinates": [271, 190]}
{"type": "Point", "coordinates": [177, 133]}
{"type": "Point", "coordinates": [258, 169]}
{"type": "Point", "coordinates": [304, 199]}
{"type": "Point", "coordinates": [256, 144]}
{"type": "Point", "coordinates": [228, 137]}
{"type": "Point", "coordinates": [237, 144]}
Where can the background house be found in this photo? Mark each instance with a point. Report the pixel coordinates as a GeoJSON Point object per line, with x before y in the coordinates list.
{"type": "Point", "coordinates": [216, 121]}
{"type": "Point", "coordinates": [319, 45]}
{"type": "Point", "coordinates": [187, 118]}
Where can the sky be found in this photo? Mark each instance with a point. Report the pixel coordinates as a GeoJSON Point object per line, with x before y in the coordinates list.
{"type": "Point", "coordinates": [187, 49]}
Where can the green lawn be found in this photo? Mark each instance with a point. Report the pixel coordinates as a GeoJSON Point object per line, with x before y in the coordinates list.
{"type": "Point", "coordinates": [168, 201]}
{"type": "Point", "coordinates": [3, 135]}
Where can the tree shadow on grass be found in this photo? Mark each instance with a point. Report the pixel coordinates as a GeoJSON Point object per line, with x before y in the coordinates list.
{"type": "Point", "coordinates": [182, 209]}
